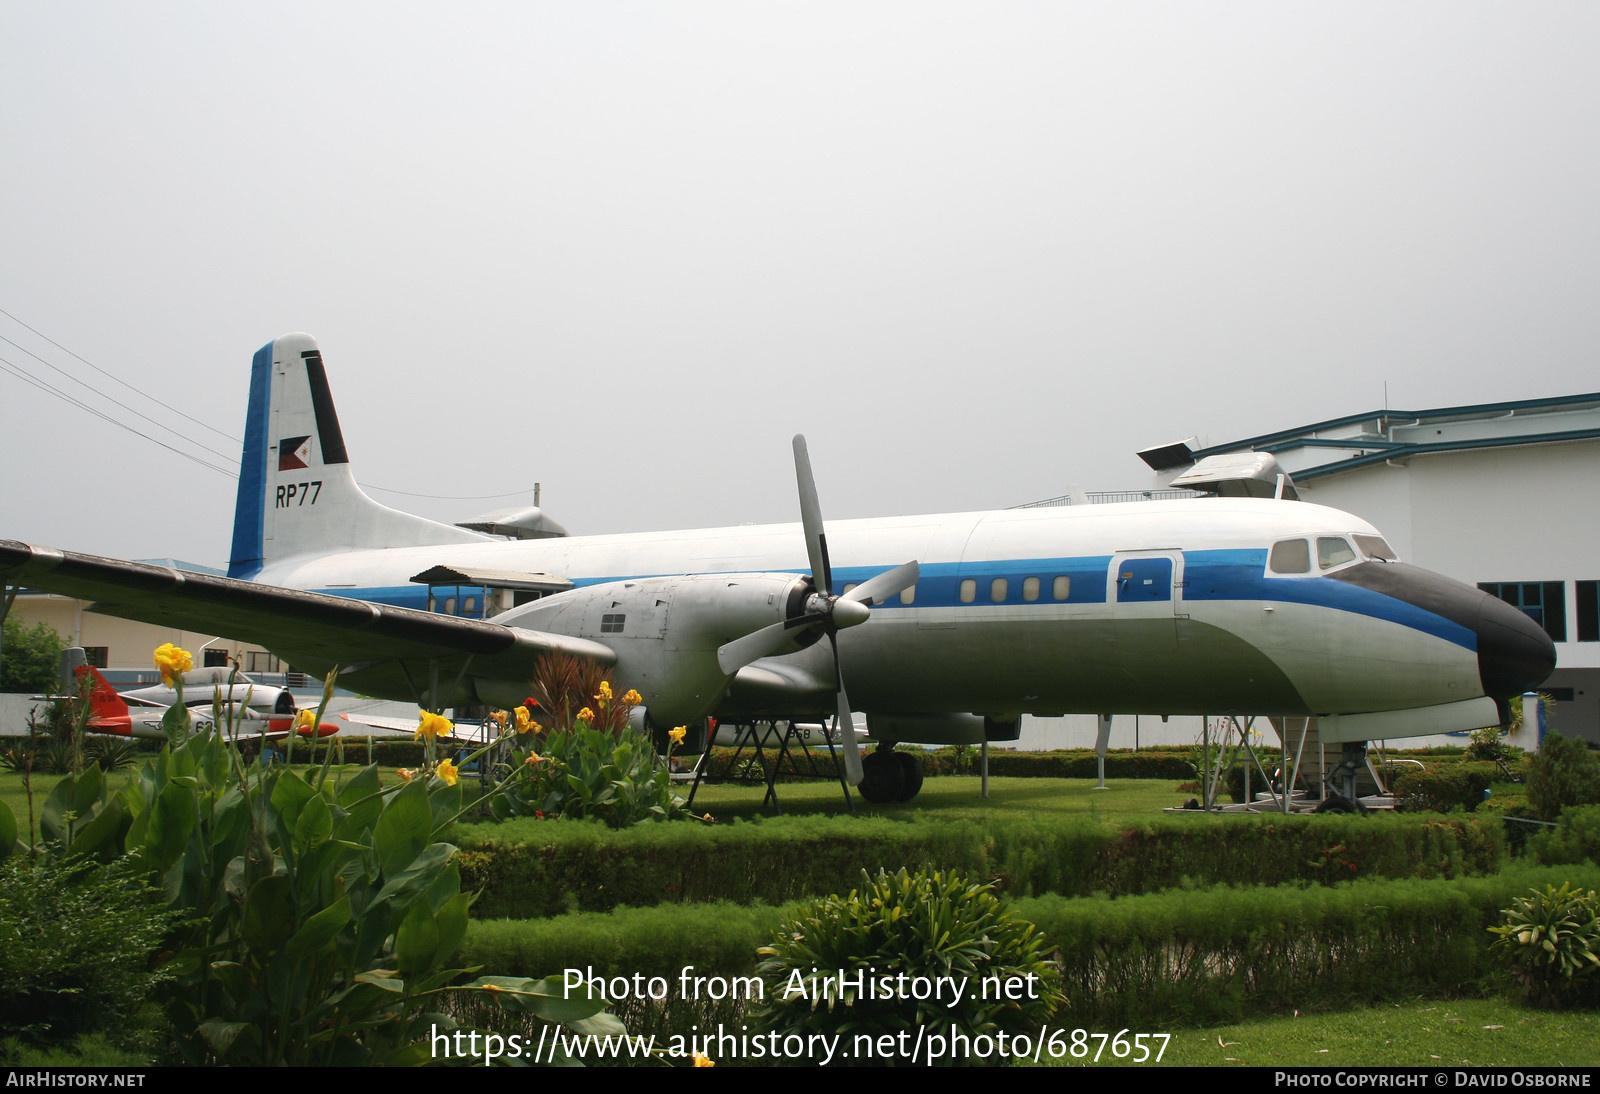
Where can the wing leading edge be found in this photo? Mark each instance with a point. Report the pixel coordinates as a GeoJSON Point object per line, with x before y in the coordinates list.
{"type": "Point", "coordinates": [384, 651]}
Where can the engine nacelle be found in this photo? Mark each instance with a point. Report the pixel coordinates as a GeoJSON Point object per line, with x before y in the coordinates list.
{"type": "Point", "coordinates": [674, 667]}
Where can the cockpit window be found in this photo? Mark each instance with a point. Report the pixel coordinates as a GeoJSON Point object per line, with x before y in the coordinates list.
{"type": "Point", "coordinates": [1333, 551]}
{"type": "Point", "coordinates": [1375, 547]}
{"type": "Point", "coordinates": [1291, 556]}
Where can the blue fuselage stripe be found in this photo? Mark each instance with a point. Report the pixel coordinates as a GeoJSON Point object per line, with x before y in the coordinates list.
{"type": "Point", "coordinates": [1216, 575]}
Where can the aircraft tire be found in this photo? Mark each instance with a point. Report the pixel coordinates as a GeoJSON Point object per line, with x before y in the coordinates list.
{"type": "Point", "coordinates": [911, 772]}
{"type": "Point", "coordinates": [882, 779]}
{"type": "Point", "coordinates": [1338, 803]}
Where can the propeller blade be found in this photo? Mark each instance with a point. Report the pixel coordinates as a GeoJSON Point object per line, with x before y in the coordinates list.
{"type": "Point", "coordinates": [885, 585]}
{"type": "Point", "coordinates": [811, 519]}
{"type": "Point", "coordinates": [844, 723]}
{"type": "Point", "coordinates": [740, 652]}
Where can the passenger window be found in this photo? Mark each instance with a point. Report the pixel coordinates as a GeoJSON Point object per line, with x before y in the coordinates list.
{"type": "Point", "coordinates": [1061, 588]}
{"type": "Point", "coordinates": [969, 590]}
{"type": "Point", "coordinates": [908, 594]}
{"type": "Point", "coordinates": [1030, 588]}
{"type": "Point", "coordinates": [848, 586]}
{"type": "Point", "coordinates": [1291, 556]}
{"type": "Point", "coordinates": [997, 589]}
{"type": "Point", "coordinates": [1333, 550]}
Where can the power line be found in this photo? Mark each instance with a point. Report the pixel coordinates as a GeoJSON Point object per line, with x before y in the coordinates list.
{"type": "Point", "coordinates": [138, 391]}
{"type": "Point", "coordinates": [16, 371]}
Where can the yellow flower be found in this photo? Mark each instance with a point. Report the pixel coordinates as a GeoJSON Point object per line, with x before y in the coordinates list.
{"type": "Point", "coordinates": [585, 715]}
{"type": "Point", "coordinates": [632, 698]}
{"type": "Point", "coordinates": [447, 772]}
{"type": "Point", "coordinates": [522, 719]}
{"type": "Point", "coordinates": [305, 722]}
{"type": "Point", "coordinates": [405, 773]}
{"type": "Point", "coordinates": [432, 725]}
{"type": "Point", "coordinates": [172, 662]}
{"type": "Point", "coordinates": [702, 1060]}
{"type": "Point", "coordinates": [677, 735]}
{"type": "Point", "coordinates": [605, 692]}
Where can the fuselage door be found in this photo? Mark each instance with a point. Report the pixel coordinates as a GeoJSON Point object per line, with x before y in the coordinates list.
{"type": "Point", "coordinates": [1145, 589]}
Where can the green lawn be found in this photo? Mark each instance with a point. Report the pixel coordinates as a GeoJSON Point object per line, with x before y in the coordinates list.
{"type": "Point", "coordinates": [1458, 1033]}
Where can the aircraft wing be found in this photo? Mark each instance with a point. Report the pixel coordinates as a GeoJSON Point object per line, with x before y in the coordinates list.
{"type": "Point", "coordinates": [382, 650]}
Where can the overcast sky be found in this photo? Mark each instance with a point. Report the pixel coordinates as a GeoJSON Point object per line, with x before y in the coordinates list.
{"type": "Point", "coordinates": [976, 252]}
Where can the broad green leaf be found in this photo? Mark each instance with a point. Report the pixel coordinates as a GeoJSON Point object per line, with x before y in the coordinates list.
{"type": "Point", "coordinates": [404, 828]}
{"type": "Point", "coordinates": [290, 795]}
{"type": "Point", "coordinates": [74, 795]}
{"type": "Point", "coordinates": [99, 834]}
{"type": "Point", "coordinates": [319, 932]}
{"type": "Point", "coordinates": [315, 824]}
{"type": "Point", "coordinates": [269, 914]}
{"type": "Point", "coordinates": [417, 939]}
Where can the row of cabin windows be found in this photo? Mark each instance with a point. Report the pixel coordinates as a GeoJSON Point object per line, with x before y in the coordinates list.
{"type": "Point", "coordinates": [999, 589]}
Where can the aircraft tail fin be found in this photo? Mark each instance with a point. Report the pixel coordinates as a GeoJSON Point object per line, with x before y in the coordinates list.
{"type": "Point", "coordinates": [296, 491]}
{"type": "Point", "coordinates": [108, 712]}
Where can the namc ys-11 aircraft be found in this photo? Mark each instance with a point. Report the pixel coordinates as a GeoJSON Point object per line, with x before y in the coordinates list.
{"type": "Point", "coordinates": [945, 628]}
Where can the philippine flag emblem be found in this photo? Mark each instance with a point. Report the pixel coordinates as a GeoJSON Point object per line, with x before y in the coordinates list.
{"type": "Point", "coordinates": [293, 452]}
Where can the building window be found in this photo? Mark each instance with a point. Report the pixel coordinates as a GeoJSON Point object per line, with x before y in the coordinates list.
{"type": "Point", "coordinates": [98, 656]}
{"type": "Point", "coordinates": [216, 659]}
{"type": "Point", "coordinates": [1589, 611]}
{"type": "Point", "coordinates": [1544, 602]}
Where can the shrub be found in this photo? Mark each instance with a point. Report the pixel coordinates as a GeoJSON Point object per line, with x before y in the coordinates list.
{"type": "Point", "coordinates": [1565, 772]}
{"type": "Point", "coordinates": [1444, 788]}
{"type": "Point", "coordinates": [923, 925]}
{"type": "Point", "coordinates": [75, 958]}
{"type": "Point", "coordinates": [587, 772]}
{"type": "Point", "coordinates": [1552, 939]}
{"type": "Point", "coordinates": [1574, 840]}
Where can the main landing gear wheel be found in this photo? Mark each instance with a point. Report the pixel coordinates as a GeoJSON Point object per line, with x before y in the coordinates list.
{"type": "Point", "coordinates": [1338, 803]}
{"type": "Point", "coordinates": [883, 780]}
{"type": "Point", "coordinates": [888, 776]}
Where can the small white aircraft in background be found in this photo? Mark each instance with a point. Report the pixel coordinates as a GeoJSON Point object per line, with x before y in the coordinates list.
{"type": "Point", "coordinates": [254, 709]}
{"type": "Point", "coordinates": [1215, 605]}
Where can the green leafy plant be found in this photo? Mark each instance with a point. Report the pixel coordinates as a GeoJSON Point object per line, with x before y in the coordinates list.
{"type": "Point", "coordinates": [581, 754]}
{"type": "Point", "coordinates": [928, 925]}
{"type": "Point", "coordinates": [1565, 772]}
{"type": "Point", "coordinates": [77, 959]}
{"type": "Point", "coordinates": [327, 910]}
{"type": "Point", "coordinates": [1552, 939]}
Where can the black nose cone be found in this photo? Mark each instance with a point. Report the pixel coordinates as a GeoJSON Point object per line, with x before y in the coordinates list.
{"type": "Point", "coordinates": [1514, 653]}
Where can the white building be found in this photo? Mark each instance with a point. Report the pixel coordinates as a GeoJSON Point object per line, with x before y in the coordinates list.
{"type": "Point", "coordinates": [1501, 495]}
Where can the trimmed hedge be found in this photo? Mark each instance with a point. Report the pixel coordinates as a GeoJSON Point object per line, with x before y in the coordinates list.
{"type": "Point", "coordinates": [540, 868]}
{"type": "Point", "coordinates": [815, 765]}
{"type": "Point", "coordinates": [1190, 957]}
{"type": "Point", "coordinates": [1445, 787]}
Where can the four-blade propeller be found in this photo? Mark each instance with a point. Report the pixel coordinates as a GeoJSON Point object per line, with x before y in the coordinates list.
{"type": "Point", "coordinates": [823, 609]}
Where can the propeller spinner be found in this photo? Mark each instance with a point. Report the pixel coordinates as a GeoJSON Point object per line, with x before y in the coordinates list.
{"type": "Point", "coordinates": [822, 608]}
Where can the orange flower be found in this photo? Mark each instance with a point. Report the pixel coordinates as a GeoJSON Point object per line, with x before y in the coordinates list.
{"type": "Point", "coordinates": [632, 698]}
{"type": "Point", "coordinates": [406, 774]}
{"type": "Point", "coordinates": [702, 1060]}
{"type": "Point", "coordinates": [585, 715]}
